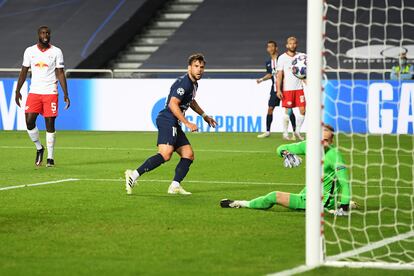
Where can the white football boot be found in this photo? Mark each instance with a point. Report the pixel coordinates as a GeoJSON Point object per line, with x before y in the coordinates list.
{"type": "Point", "coordinates": [264, 134]}
{"type": "Point", "coordinates": [286, 137]}
{"type": "Point", "coordinates": [298, 136]}
{"type": "Point", "coordinates": [177, 190]}
{"type": "Point", "coordinates": [129, 181]}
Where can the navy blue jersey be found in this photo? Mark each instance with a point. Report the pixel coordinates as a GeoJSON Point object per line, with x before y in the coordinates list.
{"type": "Point", "coordinates": [271, 69]}
{"type": "Point", "coordinates": [183, 89]}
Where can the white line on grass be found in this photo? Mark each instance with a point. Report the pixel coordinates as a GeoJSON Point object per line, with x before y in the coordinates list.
{"type": "Point", "coordinates": [38, 184]}
{"type": "Point", "coordinates": [199, 150]}
{"type": "Point", "coordinates": [226, 182]}
{"type": "Point", "coordinates": [293, 271]}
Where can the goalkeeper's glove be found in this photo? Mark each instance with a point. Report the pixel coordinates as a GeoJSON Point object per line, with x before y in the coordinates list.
{"type": "Point", "coordinates": [343, 210]}
{"type": "Point", "coordinates": [291, 160]}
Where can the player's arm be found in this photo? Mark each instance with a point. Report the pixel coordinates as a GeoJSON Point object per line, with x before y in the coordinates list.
{"type": "Point", "coordinates": [342, 177]}
{"type": "Point", "coordinates": [197, 109]}
{"type": "Point", "coordinates": [279, 81]}
{"type": "Point", "coordinates": [266, 77]}
{"type": "Point", "coordinates": [295, 148]}
{"type": "Point", "coordinates": [290, 153]}
{"type": "Point", "coordinates": [174, 106]}
{"type": "Point", "coordinates": [60, 75]}
{"type": "Point", "coordinates": [20, 81]}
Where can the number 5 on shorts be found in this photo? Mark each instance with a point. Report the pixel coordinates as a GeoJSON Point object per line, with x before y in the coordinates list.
{"type": "Point", "coordinates": [53, 107]}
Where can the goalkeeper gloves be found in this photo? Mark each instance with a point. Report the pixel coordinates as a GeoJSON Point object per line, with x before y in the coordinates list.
{"type": "Point", "coordinates": [291, 160]}
{"type": "Point", "coordinates": [343, 210]}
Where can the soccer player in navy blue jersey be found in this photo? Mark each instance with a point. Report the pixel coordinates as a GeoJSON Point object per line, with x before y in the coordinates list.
{"type": "Point", "coordinates": [274, 101]}
{"type": "Point", "coordinates": [171, 137]}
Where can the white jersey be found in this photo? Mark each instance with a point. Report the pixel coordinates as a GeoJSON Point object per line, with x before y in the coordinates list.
{"type": "Point", "coordinates": [290, 82]}
{"type": "Point", "coordinates": [43, 64]}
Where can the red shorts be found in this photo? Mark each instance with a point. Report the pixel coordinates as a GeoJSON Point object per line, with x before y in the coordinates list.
{"type": "Point", "coordinates": [46, 105]}
{"type": "Point", "coordinates": [293, 98]}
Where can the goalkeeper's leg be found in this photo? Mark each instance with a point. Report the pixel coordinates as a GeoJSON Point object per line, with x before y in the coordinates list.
{"type": "Point", "coordinates": [288, 200]}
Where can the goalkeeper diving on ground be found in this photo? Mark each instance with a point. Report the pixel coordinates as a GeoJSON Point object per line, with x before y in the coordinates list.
{"type": "Point", "coordinates": [336, 188]}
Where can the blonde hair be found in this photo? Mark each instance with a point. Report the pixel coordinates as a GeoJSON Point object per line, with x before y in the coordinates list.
{"type": "Point", "coordinates": [291, 38]}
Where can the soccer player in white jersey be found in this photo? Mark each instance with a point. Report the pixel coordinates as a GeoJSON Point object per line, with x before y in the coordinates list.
{"type": "Point", "coordinates": [46, 64]}
{"type": "Point", "coordinates": [290, 88]}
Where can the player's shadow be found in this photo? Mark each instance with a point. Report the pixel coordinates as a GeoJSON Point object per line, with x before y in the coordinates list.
{"type": "Point", "coordinates": [106, 161]}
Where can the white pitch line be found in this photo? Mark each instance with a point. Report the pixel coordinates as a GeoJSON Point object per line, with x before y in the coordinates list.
{"type": "Point", "coordinates": [293, 271]}
{"type": "Point", "coordinates": [38, 184]}
{"type": "Point", "coordinates": [226, 182]}
{"type": "Point", "coordinates": [199, 150]}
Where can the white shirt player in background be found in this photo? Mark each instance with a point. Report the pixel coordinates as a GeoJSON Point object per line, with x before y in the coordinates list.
{"type": "Point", "coordinates": [46, 64]}
{"type": "Point", "coordinates": [290, 88]}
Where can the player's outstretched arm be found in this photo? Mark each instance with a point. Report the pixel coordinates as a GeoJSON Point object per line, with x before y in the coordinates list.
{"type": "Point", "coordinates": [174, 106]}
{"type": "Point", "coordinates": [60, 75]}
{"type": "Point", "coordinates": [266, 77]}
{"type": "Point", "coordinates": [197, 109]}
{"type": "Point", "coordinates": [22, 79]}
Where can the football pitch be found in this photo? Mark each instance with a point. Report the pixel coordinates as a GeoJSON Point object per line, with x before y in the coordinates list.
{"type": "Point", "coordinates": [78, 220]}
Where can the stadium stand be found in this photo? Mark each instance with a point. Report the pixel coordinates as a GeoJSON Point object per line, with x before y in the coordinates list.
{"type": "Point", "coordinates": [89, 32]}
{"type": "Point", "coordinates": [233, 33]}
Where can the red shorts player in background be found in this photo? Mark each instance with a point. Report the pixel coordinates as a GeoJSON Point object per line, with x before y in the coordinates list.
{"type": "Point", "coordinates": [290, 88]}
{"type": "Point", "coordinates": [46, 64]}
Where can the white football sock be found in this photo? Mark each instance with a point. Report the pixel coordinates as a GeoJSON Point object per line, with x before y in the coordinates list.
{"type": "Point", "coordinates": [175, 184]}
{"type": "Point", "coordinates": [243, 203]}
{"type": "Point", "coordinates": [299, 122]}
{"type": "Point", "coordinates": [34, 136]}
{"type": "Point", "coordinates": [50, 141]}
{"type": "Point", "coordinates": [135, 175]}
{"type": "Point", "coordinates": [285, 124]}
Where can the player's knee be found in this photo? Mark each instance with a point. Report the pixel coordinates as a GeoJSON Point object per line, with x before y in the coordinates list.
{"type": "Point", "coordinates": [30, 124]}
{"type": "Point", "coordinates": [270, 110]}
{"type": "Point", "coordinates": [166, 155]}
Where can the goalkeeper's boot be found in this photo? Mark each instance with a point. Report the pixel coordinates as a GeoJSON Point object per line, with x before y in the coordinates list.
{"type": "Point", "coordinates": [298, 136]}
{"type": "Point", "coordinates": [175, 189]}
{"type": "Point", "coordinates": [228, 203]}
{"type": "Point", "coordinates": [50, 163]}
{"type": "Point", "coordinates": [129, 181]}
{"type": "Point", "coordinates": [264, 134]}
{"type": "Point", "coordinates": [39, 156]}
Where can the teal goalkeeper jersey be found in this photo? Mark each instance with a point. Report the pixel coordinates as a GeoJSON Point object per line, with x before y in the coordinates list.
{"type": "Point", "coordinates": [335, 174]}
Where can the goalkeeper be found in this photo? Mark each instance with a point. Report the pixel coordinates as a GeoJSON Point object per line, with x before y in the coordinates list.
{"type": "Point", "coordinates": [335, 180]}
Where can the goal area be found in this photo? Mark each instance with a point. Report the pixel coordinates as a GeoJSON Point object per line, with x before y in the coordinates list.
{"type": "Point", "coordinates": [358, 81]}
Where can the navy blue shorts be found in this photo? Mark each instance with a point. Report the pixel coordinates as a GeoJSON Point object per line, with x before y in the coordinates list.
{"type": "Point", "coordinates": [273, 100]}
{"type": "Point", "coordinates": [171, 134]}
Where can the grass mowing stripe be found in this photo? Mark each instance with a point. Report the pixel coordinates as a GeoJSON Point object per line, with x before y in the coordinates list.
{"type": "Point", "coordinates": [199, 150]}
{"type": "Point", "coordinates": [38, 184]}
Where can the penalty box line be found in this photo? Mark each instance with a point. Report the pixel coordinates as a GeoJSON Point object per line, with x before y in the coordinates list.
{"type": "Point", "coordinates": [38, 184]}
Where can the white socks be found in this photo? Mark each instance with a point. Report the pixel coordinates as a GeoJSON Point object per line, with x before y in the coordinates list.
{"type": "Point", "coordinates": [34, 136]}
{"type": "Point", "coordinates": [175, 184]}
{"type": "Point", "coordinates": [299, 122]}
{"type": "Point", "coordinates": [50, 140]}
{"type": "Point", "coordinates": [285, 124]}
{"type": "Point", "coordinates": [135, 175]}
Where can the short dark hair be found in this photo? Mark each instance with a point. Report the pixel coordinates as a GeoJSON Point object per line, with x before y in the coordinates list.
{"type": "Point", "coordinates": [196, 57]}
{"type": "Point", "coordinates": [272, 42]}
{"type": "Point", "coordinates": [43, 27]}
{"type": "Point", "coordinates": [328, 126]}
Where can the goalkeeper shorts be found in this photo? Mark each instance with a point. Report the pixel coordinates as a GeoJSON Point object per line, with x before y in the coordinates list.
{"type": "Point", "coordinates": [297, 201]}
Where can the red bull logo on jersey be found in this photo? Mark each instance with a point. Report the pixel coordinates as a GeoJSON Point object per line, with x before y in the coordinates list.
{"type": "Point", "coordinates": [41, 65]}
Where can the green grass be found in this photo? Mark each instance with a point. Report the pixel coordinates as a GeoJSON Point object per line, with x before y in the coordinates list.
{"type": "Point", "coordinates": [90, 226]}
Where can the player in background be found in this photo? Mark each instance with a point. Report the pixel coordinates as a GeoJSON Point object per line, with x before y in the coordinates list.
{"type": "Point", "coordinates": [171, 137]}
{"type": "Point", "coordinates": [335, 181]}
{"type": "Point", "coordinates": [46, 64]}
{"type": "Point", "coordinates": [290, 88]}
{"type": "Point", "coordinates": [273, 100]}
